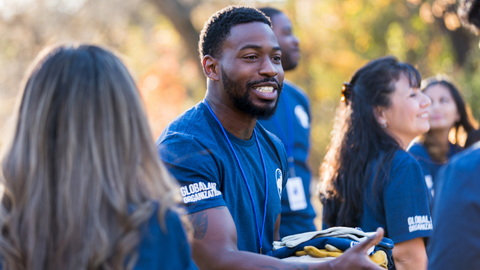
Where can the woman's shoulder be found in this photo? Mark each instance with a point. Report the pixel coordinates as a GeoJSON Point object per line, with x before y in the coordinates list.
{"type": "Point", "coordinates": [418, 149]}
{"type": "Point", "coordinates": [163, 242]}
{"type": "Point", "coordinates": [402, 159]}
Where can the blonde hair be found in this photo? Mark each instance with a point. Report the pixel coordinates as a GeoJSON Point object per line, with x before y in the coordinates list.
{"type": "Point", "coordinates": [82, 172]}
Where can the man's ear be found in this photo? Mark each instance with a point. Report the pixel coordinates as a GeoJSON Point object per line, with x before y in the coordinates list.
{"type": "Point", "coordinates": [379, 113]}
{"type": "Point", "coordinates": [211, 68]}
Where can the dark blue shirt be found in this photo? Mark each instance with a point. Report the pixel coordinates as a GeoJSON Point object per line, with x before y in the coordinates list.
{"type": "Point", "coordinates": [294, 114]}
{"type": "Point", "coordinates": [164, 249]}
{"type": "Point", "coordinates": [430, 167]}
{"type": "Point", "coordinates": [400, 205]}
{"type": "Point", "coordinates": [455, 242]}
{"type": "Point", "coordinates": [195, 150]}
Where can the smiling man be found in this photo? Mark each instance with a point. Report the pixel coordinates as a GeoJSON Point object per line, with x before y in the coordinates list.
{"type": "Point", "coordinates": [232, 171]}
{"type": "Point", "coordinates": [291, 123]}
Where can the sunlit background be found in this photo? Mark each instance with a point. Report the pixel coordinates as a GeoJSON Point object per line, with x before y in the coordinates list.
{"type": "Point", "coordinates": [158, 41]}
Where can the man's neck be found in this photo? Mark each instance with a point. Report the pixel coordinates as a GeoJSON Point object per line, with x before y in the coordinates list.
{"type": "Point", "coordinates": [238, 123]}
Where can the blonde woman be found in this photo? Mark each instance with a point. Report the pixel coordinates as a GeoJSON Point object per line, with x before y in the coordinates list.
{"type": "Point", "coordinates": [84, 188]}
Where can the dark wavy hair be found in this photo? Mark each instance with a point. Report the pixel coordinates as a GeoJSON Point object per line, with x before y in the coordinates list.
{"type": "Point", "coordinates": [358, 139]}
{"type": "Point", "coordinates": [469, 13]}
{"type": "Point", "coordinates": [217, 29]}
{"type": "Point", "coordinates": [465, 122]}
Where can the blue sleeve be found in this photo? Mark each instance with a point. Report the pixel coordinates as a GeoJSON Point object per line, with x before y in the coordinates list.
{"type": "Point", "coordinates": [455, 242]}
{"type": "Point", "coordinates": [197, 170]}
{"type": "Point", "coordinates": [405, 200]}
{"type": "Point", "coordinates": [164, 247]}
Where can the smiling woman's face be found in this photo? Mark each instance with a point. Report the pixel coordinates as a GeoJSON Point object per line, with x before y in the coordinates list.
{"type": "Point", "coordinates": [407, 116]}
{"type": "Point", "coordinates": [443, 113]}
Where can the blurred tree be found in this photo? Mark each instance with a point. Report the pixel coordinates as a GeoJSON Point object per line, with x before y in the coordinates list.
{"type": "Point", "coordinates": [158, 39]}
{"type": "Point", "coordinates": [178, 12]}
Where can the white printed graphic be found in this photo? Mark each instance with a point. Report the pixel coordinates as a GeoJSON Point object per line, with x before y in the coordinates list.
{"type": "Point", "coordinates": [302, 116]}
{"type": "Point", "coordinates": [370, 251]}
{"type": "Point", "coordinates": [199, 191]}
{"type": "Point", "coordinates": [279, 177]}
{"type": "Point", "coordinates": [296, 194]}
{"type": "Point", "coordinates": [429, 182]}
{"type": "Point", "coordinates": [419, 223]}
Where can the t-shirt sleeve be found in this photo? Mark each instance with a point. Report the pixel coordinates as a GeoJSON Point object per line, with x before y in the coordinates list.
{"type": "Point", "coordinates": [196, 168]}
{"type": "Point", "coordinates": [405, 200]}
{"type": "Point", "coordinates": [455, 242]}
{"type": "Point", "coordinates": [179, 243]}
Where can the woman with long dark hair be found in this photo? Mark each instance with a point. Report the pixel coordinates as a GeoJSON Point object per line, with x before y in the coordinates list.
{"type": "Point", "coordinates": [368, 180]}
{"type": "Point", "coordinates": [84, 187]}
{"type": "Point", "coordinates": [447, 113]}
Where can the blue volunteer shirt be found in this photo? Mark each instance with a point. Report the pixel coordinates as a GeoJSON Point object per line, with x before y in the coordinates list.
{"type": "Point", "coordinates": [164, 249]}
{"type": "Point", "coordinates": [297, 214]}
{"type": "Point", "coordinates": [455, 242]}
{"type": "Point", "coordinates": [430, 167]}
{"type": "Point", "coordinates": [400, 206]}
{"type": "Point", "coordinates": [196, 152]}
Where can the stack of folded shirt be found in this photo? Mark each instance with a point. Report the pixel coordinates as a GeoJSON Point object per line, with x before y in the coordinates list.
{"type": "Point", "coordinates": [332, 242]}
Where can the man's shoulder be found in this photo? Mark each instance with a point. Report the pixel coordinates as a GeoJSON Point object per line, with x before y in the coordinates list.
{"type": "Point", "coordinates": [295, 90]}
{"type": "Point", "coordinates": [272, 141]}
{"type": "Point", "coordinates": [189, 125]}
{"type": "Point", "coordinates": [268, 135]}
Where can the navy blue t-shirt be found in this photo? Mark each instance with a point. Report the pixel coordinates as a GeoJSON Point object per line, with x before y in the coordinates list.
{"type": "Point", "coordinates": [294, 113]}
{"type": "Point", "coordinates": [429, 166]}
{"type": "Point", "coordinates": [400, 205]}
{"type": "Point", "coordinates": [164, 249]}
{"type": "Point", "coordinates": [455, 242]}
{"type": "Point", "coordinates": [196, 152]}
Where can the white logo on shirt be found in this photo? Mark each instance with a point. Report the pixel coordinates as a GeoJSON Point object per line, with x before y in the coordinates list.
{"type": "Point", "coordinates": [199, 191]}
{"type": "Point", "coordinates": [419, 223]}
{"type": "Point", "coordinates": [370, 251]}
{"type": "Point", "coordinates": [302, 116]}
{"type": "Point", "coordinates": [279, 177]}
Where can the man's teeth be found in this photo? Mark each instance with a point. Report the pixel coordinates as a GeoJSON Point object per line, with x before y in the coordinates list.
{"type": "Point", "coordinates": [424, 115]}
{"type": "Point", "coordinates": [265, 89]}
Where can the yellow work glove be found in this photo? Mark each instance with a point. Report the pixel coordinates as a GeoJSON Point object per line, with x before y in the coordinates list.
{"type": "Point", "coordinates": [379, 257]}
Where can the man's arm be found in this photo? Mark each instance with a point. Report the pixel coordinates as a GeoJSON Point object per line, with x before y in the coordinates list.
{"type": "Point", "coordinates": [410, 254]}
{"type": "Point", "coordinates": [215, 247]}
{"type": "Point", "coordinates": [276, 232]}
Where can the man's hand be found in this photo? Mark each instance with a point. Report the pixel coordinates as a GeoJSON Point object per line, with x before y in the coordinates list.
{"type": "Point", "coordinates": [356, 257]}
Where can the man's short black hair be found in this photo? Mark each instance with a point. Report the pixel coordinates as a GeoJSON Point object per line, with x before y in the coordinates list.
{"type": "Point", "coordinates": [270, 12]}
{"type": "Point", "coordinates": [217, 29]}
{"type": "Point", "coordinates": [469, 12]}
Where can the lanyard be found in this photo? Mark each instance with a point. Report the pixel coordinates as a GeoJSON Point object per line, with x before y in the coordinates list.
{"type": "Point", "coordinates": [260, 235]}
{"type": "Point", "coordinates": [288, 143]}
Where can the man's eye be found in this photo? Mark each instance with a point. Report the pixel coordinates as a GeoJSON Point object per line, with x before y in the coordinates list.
{"type": "Point", "coordinates": [277, 58]}
{"type": "Point", "coordinates": [251, 57]}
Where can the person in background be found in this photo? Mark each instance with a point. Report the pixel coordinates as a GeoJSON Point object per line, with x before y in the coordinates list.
{"type": "Point", "coordinates": [231, 170]}
{"type": "Point", "coordinates": [455, 240]}
{"type": "Point", "coordinates": [472, 138]}
{"type": "Point", "coordinates": [367, 178]}
{"type": "Point", "coordinates": [291, 123]}
{"type": "Point", "coordinates": [84, 187]}
{"type": "Point", "coordinates": [447, 113]}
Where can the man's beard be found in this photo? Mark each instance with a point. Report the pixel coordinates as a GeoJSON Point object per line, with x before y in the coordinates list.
{"type": "Point", "coordinates": [244, 103]}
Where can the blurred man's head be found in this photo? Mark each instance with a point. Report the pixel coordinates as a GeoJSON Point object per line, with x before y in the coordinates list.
{"type": "Point", "coordinates": [282, 27]}
{"type": "Point", "coordinates": [469, 12]}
